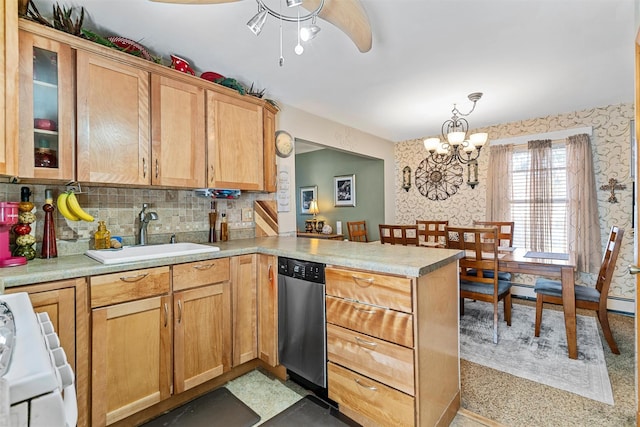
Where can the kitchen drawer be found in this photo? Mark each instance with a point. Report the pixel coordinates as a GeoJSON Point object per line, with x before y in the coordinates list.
{"type": "Point", "coordinates": [381, 404]}
{"type": "Point", "coordinates": [194, 274]}
{"type": "Point", "coordinates": [128, 286]}
{"type": "Point", "coordinates": [379, 289]}
{"type": "Point", "coordinates": [379, 322]}
{"type": "Point", "coordinates": [388, 363]}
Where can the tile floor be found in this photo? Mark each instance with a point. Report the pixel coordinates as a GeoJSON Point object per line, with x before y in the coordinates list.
{"type": "Point", "coordinates": [268, 396]}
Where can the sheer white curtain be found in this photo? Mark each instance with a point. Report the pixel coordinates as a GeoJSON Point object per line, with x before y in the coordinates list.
{"type": "Point", "coordinates": [499, 176]}
{"type": "Point", "coordinates": [583, 225]}
{"type": "Point", "coordinates": [539, 187]}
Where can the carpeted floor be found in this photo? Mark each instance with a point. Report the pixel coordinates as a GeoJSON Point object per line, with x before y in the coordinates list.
{"type": "Point", "coordinates": [515, 401]}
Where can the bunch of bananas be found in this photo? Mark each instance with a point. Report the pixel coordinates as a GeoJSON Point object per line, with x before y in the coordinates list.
{"type": "Point", "coordinates": [70, 208]}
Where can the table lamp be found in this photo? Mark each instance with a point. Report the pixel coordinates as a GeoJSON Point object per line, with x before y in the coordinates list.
{"type": "Point", "coordinates": [313, 209]}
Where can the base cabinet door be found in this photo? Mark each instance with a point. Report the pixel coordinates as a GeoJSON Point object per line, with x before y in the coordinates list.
{"type": "Point", "coordinates": [268, 309]}
{"type": "Point", "coordinates": [244, 308]}
{"type": "Point", "coordinates": [131, 358]}
{"type": "Point", "coordinates": [202, 335]}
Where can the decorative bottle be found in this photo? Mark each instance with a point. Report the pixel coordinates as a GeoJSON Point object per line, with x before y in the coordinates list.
{"type": "Point", "coordinates": [102, 237]}
{"type": "Point", "coordinates": [49, 248]}
{"type": "Point", "coordinates": [224, 231]}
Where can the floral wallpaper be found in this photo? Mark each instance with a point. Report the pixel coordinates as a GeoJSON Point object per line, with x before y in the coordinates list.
{"type": "Point", "coordinates": [611, 144]}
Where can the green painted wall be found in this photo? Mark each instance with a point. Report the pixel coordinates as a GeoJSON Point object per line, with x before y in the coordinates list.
{"type": "Point", "coordinates": [321, 166]}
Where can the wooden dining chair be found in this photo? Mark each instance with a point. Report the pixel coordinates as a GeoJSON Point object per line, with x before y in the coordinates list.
{"type": "Point", "coordinates": [550, 291]}
{"type": "Point", "coordinates": [505, 230]}
{"type": "Point", "coordinates": [505, 238]}
{"type": "Point", "coordinates": [481, 254]}
{"type": "Point", "coordinates": [432, 233]}
{"type": "Point", "coordinates": [357, 231]}
{"type": "Point", "coordinates": [406, 235]}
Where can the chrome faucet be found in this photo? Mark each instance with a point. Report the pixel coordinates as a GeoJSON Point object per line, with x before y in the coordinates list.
{"type": "Point", "coordinates": [144, 218]}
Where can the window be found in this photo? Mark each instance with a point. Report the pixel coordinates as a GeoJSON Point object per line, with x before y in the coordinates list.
{"type": "Point", "coordinates": [521, 202]}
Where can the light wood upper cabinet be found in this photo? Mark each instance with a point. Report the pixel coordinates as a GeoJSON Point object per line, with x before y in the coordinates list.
{"type": "Point", "coordinates": [178, 133]}
{"type": "Point", "coordinates": [9, 87]}
{"type": "Point", "coordinates": [244, 308]}
{"type": "Point", "coordinates": [112, 121]}
{"type": "Point", "coordinates": [269, 149]}
{"type": "Point", "coordinates": [47, 146]}
{"type": "Point", "coordinates": [268, 309]}
{"type": "Point", "coordinates": [234, 142]}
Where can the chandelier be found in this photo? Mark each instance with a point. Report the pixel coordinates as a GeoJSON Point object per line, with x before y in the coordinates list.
{"type": "Point", "coordinates": [458, 146]}
{"type": "Point", "coordinates": [305, 33]}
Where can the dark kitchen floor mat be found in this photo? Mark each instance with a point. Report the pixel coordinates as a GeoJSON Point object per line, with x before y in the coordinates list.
{"type": "Point", "coordinates": [310, 412]}
{"type": "Point", "coordinates": [217, 408]}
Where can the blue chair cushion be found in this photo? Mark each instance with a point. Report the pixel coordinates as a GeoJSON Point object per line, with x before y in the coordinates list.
{"type": "Point", "coordinates": [484, 288]}
{"type": "Point", "coordinates": [554, 288]}
{"type": "Point", "coordinates": [502, 275]}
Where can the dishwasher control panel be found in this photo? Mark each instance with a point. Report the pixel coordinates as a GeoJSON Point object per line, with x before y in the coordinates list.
{"type": "Point", "coordinates": [305, 270]}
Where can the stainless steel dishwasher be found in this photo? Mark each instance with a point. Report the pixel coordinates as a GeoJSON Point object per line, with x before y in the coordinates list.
{"type": "Point", "coordinates": [302, 331]}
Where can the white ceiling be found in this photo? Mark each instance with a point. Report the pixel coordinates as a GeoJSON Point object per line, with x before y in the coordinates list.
{"type": "Point", "coordinates": [530, 58]}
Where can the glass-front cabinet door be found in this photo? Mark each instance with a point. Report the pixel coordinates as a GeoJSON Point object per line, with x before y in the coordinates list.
{"type": "Point", "coordinates": [46, 109]}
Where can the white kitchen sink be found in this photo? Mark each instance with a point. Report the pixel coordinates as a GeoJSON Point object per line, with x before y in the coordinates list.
{"type": "Point", "coordinates": [142, 253]}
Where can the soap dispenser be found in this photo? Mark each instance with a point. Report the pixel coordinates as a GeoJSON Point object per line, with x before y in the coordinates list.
{"type": "Point", "coordinates": [102, 237]}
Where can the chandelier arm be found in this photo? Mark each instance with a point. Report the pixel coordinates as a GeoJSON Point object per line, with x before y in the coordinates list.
{"type": "Point", "coordinates": [288, 18]}
{"type": "Point", "coordinates": [456, 111]}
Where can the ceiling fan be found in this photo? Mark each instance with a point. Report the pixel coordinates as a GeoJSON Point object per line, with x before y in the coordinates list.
{"type": "Point", "coordinates": [348, 15]}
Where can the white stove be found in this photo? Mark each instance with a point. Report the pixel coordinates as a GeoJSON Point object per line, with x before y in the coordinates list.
{"type": "Point", "coordinates": [37, 387]}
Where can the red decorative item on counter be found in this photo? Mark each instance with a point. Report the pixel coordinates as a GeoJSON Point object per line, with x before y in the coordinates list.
{"type": "Point", "coordinates": [49, 248]}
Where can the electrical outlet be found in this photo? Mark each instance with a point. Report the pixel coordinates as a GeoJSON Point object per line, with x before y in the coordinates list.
{"type": "Point", "coordinates": [247, 214]}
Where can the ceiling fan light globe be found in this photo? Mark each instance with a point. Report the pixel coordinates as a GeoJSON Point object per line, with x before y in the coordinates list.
{"type": "Point", "coordinates": [256, 23]}
{"type": "Point", "coordinates": [309, 32]}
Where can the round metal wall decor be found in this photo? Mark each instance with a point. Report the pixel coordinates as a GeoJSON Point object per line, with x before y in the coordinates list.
{"type": "Point", "coordinates": [438, 181]}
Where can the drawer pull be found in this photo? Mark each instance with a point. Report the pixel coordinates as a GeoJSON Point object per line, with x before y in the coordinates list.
{"type": "Point", "coordinates": [370, 387]}
{"type": "Point", "coordinates": [203, 266]}
{"type": "Point", "coordinates": [134, 278]}
{"type": "Point", "coordinates": [166, 314]}
{"type": "Point", "coordinates": [361, 342]}
{"type": "Point", "coordinates": [361, 281]}
{"type": "Point", "coordinates": [364, 310]}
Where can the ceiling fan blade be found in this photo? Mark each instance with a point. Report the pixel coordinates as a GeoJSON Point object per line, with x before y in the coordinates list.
{"type": "Point", "coordinates": [194, 1]}
{"type": "Point", "coordinates": [349, 16]}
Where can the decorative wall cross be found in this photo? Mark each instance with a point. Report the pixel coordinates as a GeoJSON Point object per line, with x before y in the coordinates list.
{"type": "Point", "coordinates": [613, 186]}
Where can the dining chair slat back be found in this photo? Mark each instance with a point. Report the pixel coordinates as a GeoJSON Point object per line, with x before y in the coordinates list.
{"type": "Point", "coordinates": [406, 235]}
{"type": "Point", "coordinates": [587, 297]}
{"type": "Point", "coordinates": [432, 233]}
{"type": "Point", "coordinates": [357, 231]}
{"type": "Point", "coordinates": [505, 230]}
{"type": "Point", "coordinates": [480, 246]}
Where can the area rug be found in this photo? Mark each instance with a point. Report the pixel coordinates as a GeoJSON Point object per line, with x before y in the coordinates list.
{"type": "Point", "coordinates": [217, 408]}
{"type": "Point", "coordinates": [543, 359]}
{"type": "Point", "coordinates": [310, 412]}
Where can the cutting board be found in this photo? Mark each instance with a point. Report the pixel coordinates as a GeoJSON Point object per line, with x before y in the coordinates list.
{"type": "Point", "coordinates": [266, 216]}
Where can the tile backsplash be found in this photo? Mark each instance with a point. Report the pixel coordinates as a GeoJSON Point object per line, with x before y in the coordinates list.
{"type": "Point", "coordinates": [180, 212]}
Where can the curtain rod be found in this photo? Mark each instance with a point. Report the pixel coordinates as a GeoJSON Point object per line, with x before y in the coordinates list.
{"type": "Point", "coordinates": [558, 134]}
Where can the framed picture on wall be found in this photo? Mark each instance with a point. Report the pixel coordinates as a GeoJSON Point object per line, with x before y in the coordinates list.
{"type": "Point", "coordinates": [307, 194]}
{"type": "Point", "coordinates": [344, 188]}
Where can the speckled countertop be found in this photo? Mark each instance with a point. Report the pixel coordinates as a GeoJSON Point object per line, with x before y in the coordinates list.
{"type": "Point", "coordinates": [402, 260]}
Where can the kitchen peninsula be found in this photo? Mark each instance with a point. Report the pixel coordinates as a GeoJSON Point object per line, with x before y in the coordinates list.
{"type": "Point", "coordinates": [415, 289]}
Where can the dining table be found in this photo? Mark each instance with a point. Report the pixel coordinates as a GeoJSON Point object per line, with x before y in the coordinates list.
{"type": "Point", "coordinates": [552, 265]}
